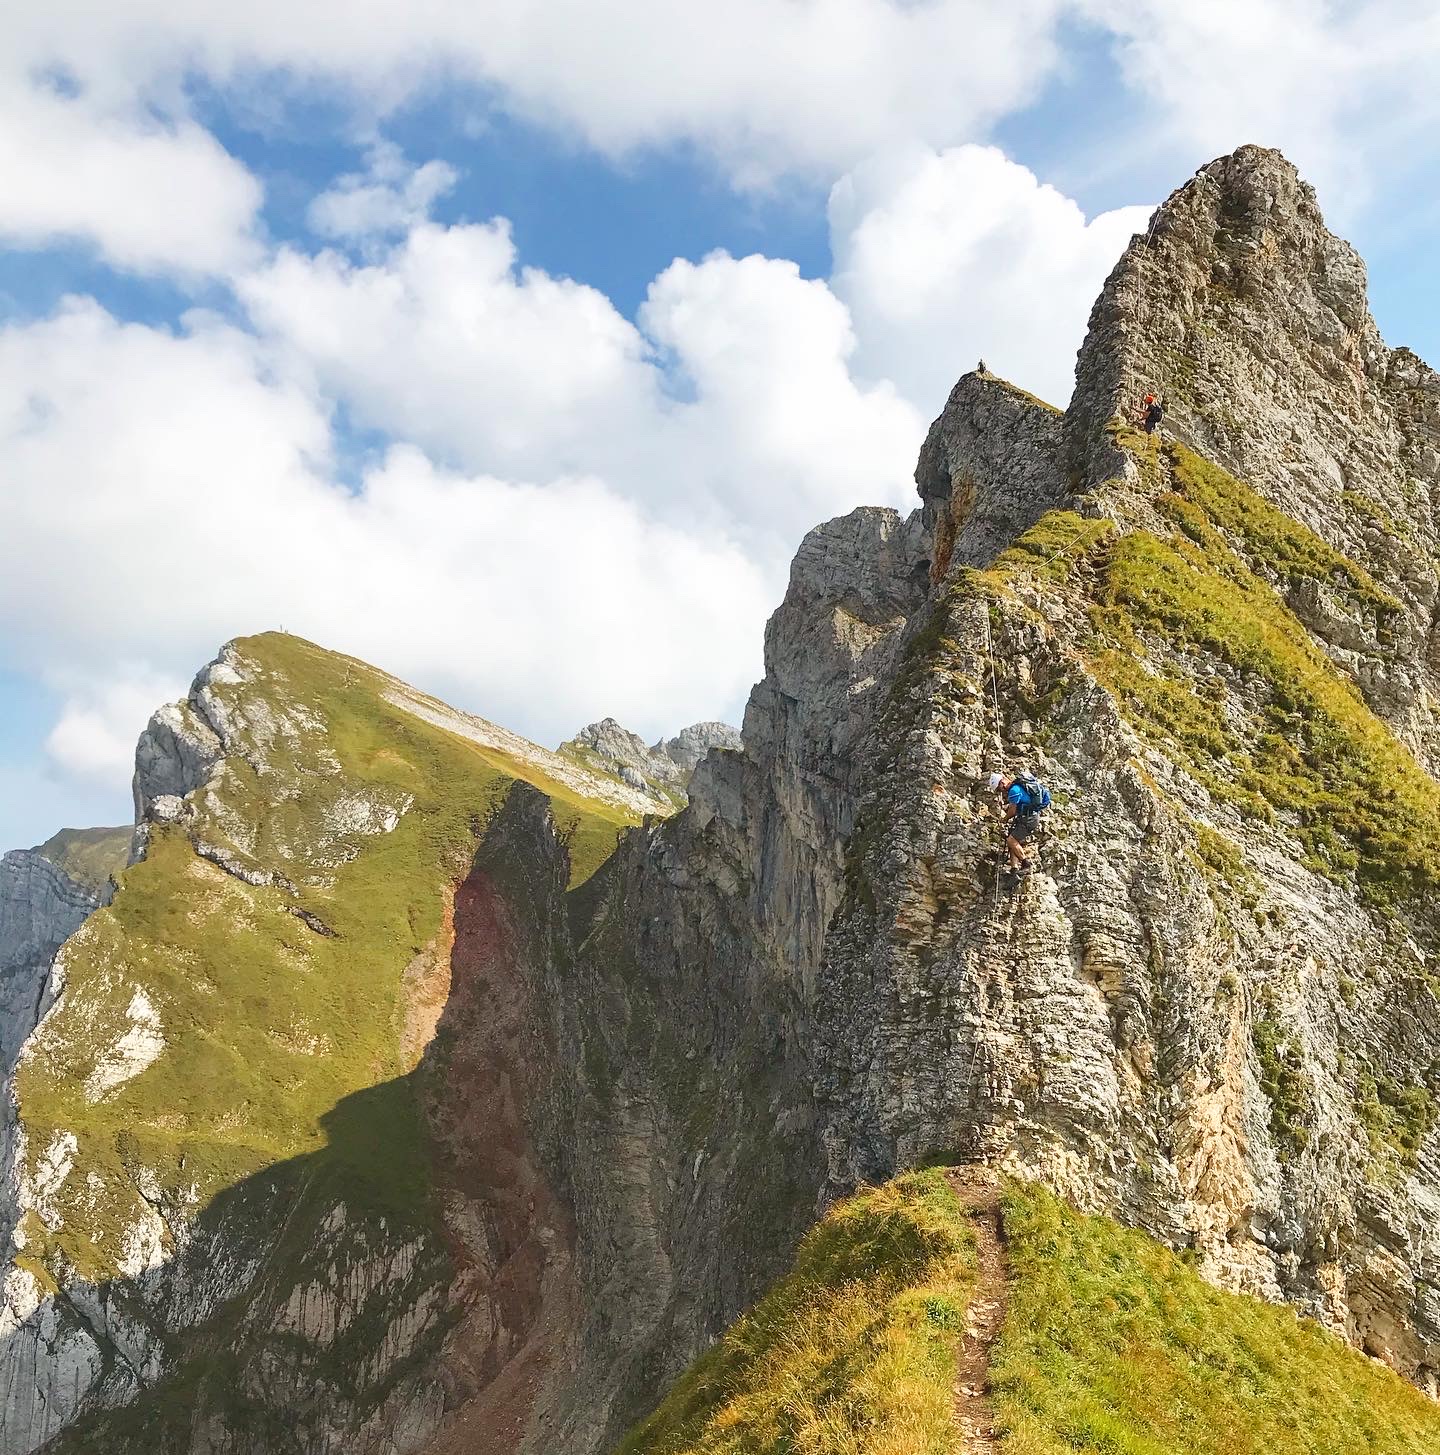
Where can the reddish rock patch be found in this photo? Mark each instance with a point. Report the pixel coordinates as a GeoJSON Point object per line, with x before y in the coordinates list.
{"type": "Point", "coordinates": [509, 1235]}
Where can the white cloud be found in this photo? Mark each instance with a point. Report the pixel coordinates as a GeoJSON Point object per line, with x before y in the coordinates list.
{"type": "Point", "coordinates": [173, 475]}
{"type": "Point", "coordinates": [149, 195]}
{"type": "Point", "coordinates": [1347, 91]}
{"type": "Point", "coordinates": [947, 258]}
{"type": "Point", "coordinates": [730, 406]}
{"type": "Point", "coordinates": [778, 432]}
{"type": "Point", "coordinates": [443, 341]}
{"type": "Point", "coordinates": [580, 515]}
{"type": "Point", "coordinates": [101, 719]}
{"type": "Point", "coordinates": [390, 196]}
{"type": "Point", "coordinates": [767, 86]}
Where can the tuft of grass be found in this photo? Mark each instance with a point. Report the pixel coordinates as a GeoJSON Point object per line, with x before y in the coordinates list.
{"type": "Point", "coordinates": [1053, 546]}
{"type": "Point", "coordinates": [1221, 861]}
{"type": "Point", "coordinates": [1272, 541]}
{"type": "Point", "coordinates": [1112, 1344]}
{"type": "Point", "coordinates": [1396, 1118]}
{"type": "Point", "coordinates": [1283, 1082]}
{"type": "Point", "coordinates": [853, 1353]}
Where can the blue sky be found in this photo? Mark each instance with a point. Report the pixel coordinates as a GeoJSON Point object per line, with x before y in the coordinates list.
{"type": "Point", "coordinates": [515, 347]}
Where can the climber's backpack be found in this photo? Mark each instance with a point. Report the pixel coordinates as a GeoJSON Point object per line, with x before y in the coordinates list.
{"type": "Point", "coordinates": [1037, 795]}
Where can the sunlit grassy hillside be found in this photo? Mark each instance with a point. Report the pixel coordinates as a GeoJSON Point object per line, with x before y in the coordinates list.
{"type": "Point", "coordinates": [853, 1353]}
{"type": "Point", "coordinates": [215, 1016]}
{"type": "Point", "coordinates": [1112, 1344]}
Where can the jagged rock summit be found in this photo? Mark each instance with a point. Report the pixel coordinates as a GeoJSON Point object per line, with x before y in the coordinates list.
{"type": "Point", "coordinates": [396, 1105]}
{"type": "Point", "coordinates": [1250, 316]}
{"type": "Point", "coordinates": [663, 770]}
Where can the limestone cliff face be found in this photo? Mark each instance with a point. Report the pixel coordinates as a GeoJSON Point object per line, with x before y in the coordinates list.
{"type": "Point", "coordinates": [1250, 317]}
{"type": "Point", "coordinates": [40, 908]}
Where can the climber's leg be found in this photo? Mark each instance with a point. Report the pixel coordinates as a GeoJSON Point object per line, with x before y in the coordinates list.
{"type": "Point", "coordinates": [1021, 827]}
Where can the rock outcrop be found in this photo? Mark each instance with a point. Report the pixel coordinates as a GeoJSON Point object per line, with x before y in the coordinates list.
{"type": "Point", "coordinates": [663, 771]}
{"type": "Point", "coordinates": [502, 1143]}
{"type": "Point", "coordinates": [41, 906]}
{"type": "Point", "coordinates": [689, 747]}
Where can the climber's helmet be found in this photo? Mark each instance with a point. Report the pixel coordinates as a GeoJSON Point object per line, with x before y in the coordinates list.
{"type": "Point", "coordinates": [996, 779]}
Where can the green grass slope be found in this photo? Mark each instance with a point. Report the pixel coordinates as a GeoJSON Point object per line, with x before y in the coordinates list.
{"type": "Point", "coordinates": [1279, 732]}
{"type": "Point", "coordinates": [272, 1002]}
{"type": "Point", "coordinates": [1112, 1344]}
{"type": "Point", "coordinates": [89, 856]}
{"type": "Point", "coordinates": [854, 1353]}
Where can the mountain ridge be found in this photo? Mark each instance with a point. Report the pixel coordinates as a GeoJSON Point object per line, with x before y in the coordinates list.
{"type": "Point", "coordinates": [1211, 1016]}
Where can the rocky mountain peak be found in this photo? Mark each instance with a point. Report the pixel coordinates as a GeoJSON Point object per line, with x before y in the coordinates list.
{"type": "Point", "coordinates": [1249, 316]}
{"type": "Point", "coordinates": [662, 771]}
{"type": "Point", "coordinates": [990, 467]}
{"type": "Point", "coordinates": [691, 744]}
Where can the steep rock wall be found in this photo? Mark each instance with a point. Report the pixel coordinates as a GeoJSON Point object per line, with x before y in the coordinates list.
{"type": "Point", "coordinates": [1250, 316]}
{"type": "Point", "coordinates": [40, 908]}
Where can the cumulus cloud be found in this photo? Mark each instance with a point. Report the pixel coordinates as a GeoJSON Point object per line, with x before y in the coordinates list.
{"type": "Point", "coordinates": [444, 341]}
{"type": "Point", "coordinates": [948, 257]}
{"type": "Point", "coordinates": [730, 406]}
{"type": "Point", "coordinates": [148, 195]}
{"type": "Point", "coordinates": [1347, 91]}
{"type": "Point", "coordinates": [101, 718]}
{"type": "Point", "coordinates": [577, 514]}
{"type": "Point", "coordinates": [173, 473]}
{"type": "Point", "coordinates": [390, 196]}
{"type": "Point", "coordinates": [767, 86]}
{"type": "Point", "coordinates": [777, 431]}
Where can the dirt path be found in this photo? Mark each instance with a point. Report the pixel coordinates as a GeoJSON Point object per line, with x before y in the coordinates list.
{"type": "Point", "coordinates": [977, 1188]}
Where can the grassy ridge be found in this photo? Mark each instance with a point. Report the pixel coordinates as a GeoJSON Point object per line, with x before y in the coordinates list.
{"type": "Point", "coordinates": [1311, 752]}
{"type": "Point", "coordinates": [854, 1353]}
{"type": "Point", "coordinates": [268, 1023]}
{"type": "Point", "coordinates": [1113, 1344]}
{"type": "Point", "coordinates": [1278, 731]}
{"type": "Point", "coordinates": [89, 856]}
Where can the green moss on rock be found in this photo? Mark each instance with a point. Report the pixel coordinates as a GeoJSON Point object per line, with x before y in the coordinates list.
{"type": "Point", "coordinates": [1283, 1082]}
{"type": "Point", "coordinates": [1204, 656]}
{"type": "Point", "coordinates": [1397, 1118]}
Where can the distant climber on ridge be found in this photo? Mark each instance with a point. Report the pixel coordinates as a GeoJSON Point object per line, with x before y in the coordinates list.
{"type": "Point", "coordinates": [1153, 411]}
{"type": "Point", "coordinates": [1025, 798]}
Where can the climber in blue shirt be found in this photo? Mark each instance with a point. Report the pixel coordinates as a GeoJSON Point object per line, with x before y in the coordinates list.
{"type": "Point", "coordinates": [1025, 798]}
